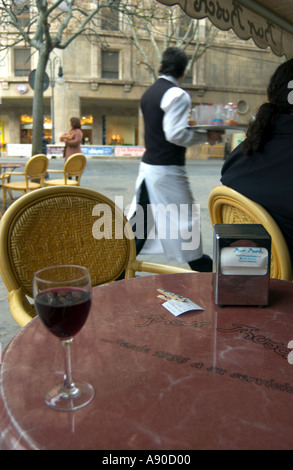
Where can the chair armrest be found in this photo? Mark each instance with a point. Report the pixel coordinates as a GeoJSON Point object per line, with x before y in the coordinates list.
{"type": "Point", "coordinates": [155, 268]}
{"type": "Point", "coordinates": [21, 309]}
{"type": "Point", "coordinates": [148, 267]}
{"type": "Point", "coordinates": [7, 175]}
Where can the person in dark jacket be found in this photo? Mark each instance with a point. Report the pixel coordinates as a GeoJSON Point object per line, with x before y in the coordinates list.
{"type": "Point", "coordinates": [261, 167]}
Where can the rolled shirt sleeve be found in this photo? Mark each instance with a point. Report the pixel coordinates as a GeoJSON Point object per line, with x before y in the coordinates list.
{"type": "Point", "coordinates": [176, 104]}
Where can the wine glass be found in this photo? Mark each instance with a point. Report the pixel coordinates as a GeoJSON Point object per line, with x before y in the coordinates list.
{"type": "Point", "coordinates": [63, 297]}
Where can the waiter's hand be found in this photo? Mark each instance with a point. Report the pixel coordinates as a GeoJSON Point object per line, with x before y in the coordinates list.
{"type": "Point", "coordinates": [214, 136]}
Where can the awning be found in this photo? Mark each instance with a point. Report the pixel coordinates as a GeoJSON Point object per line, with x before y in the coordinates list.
{"type": "Point", "coordinates": [267, 22]}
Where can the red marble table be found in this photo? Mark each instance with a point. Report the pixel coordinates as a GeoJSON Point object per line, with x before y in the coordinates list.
{"type": "Point", "coordinates": [212, 379]}
{"type": "Point", "coordinates": [11, 166]}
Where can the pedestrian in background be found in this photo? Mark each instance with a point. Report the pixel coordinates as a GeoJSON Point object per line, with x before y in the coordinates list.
{"type": "Point", "coordinates": [72, 138]}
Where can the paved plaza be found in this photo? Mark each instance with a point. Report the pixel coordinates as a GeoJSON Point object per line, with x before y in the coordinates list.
{"type": "Point", "coordinates": [116, 177]}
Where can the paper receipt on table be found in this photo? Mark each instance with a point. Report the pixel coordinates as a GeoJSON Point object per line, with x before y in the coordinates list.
{"type": "Point", "coordinates": [176, 304]}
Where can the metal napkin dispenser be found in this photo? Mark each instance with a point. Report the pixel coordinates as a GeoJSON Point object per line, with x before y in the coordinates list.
{"type": "Point", "coordinates": [241, 266]}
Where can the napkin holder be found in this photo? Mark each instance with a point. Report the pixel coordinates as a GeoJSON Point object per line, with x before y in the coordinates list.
{"type": "Point", "coordinates": [241, 266]}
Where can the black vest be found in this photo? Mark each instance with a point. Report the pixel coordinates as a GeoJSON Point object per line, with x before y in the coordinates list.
{"type": "Point", "coordinates": [158, 150]}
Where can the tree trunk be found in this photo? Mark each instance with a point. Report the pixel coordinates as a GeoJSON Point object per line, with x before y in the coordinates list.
{"type": "Point", "coordinates": [38, 104]}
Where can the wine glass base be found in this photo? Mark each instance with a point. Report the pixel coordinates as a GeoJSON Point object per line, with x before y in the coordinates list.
{"type": "Point", "coordinates": [58, 398]}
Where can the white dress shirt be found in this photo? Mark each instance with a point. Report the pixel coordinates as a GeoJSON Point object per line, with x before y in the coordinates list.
{"type": "Point", "coordinates": [176, 105]}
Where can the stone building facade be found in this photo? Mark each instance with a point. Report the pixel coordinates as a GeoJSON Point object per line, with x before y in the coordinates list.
{"type": "Point", "coordinates": [104, 86]}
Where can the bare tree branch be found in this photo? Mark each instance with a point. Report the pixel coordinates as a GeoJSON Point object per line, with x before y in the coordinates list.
{"type": "Point", "coordinates": [45, 25]}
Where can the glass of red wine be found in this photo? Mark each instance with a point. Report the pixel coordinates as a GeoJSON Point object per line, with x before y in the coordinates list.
{"type": "Point", "coordinates": [63, 297]}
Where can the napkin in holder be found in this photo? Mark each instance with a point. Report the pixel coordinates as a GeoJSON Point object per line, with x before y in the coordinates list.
{"type": "Point", "coordinates": [241, 270]}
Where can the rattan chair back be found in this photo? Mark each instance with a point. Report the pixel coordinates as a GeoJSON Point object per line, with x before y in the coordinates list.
{"type": "Point", "coordinates": [62, 225]}
{"type": "Point", "coordinates": [33, 177]}
{"type": "Point", "coordinates": [73, 168]}
{"type": "Point", "coordinates": [227, 206]}
{"type": "Point", "coordinates": [75, 165]}
{"type": "Point", "coordinates": [65, 225]}
{"type": "Point", "coordinates": [36, 167]}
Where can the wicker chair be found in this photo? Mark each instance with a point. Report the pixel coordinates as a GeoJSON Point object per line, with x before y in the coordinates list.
{"type": "Point", "coordinates": [73, 168]}
{"type": "Point", "coordinates": [65, 225]}
{"type": "Point", "coordinates": [227, 206]}
{"type": "Point", "coordinates": [35, 169]}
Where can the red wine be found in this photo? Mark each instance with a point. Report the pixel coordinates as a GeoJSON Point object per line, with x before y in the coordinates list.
{"type": "Point", "coordinates": [63, 310]}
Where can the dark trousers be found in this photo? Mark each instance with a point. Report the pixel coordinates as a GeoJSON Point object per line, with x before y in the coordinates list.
{"type": "Point", "coordinates": [142, 201]}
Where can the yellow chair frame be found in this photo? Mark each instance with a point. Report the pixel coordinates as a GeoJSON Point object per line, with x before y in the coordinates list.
{"type": "Point", "coordinates": [73, 167]}
{"type": "Point", "coordinates": [227, 206]}
{"type": "Point", "coordinates": [35, 169]}
{"type": "Point", "coordinates": [62, 225]}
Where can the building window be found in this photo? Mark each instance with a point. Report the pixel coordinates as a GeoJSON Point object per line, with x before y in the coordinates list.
{"type": "Point", "coordinates": [21, 9]}
{"type": "Point", "coordinates": [110, 17]}
{"type": "Point", "coordinates": [22, 62]}
{"type": "Point", "coordinates": [110, 64]}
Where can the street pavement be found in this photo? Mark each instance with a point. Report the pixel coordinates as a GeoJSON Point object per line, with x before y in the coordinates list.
{"type": "Point", "coordinates": [116, 177]}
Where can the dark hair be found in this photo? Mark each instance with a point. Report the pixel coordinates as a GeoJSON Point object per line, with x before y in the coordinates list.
{"type": "Point", "coordinates": [260, 130]}
{"type": "Point", "coordinates": [75, 123]}
{"type": "Point", "coordinates": [174, 62]}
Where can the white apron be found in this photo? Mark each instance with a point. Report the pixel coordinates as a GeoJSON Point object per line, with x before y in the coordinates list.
{"type": "Point", "coordinates": [176, 231]}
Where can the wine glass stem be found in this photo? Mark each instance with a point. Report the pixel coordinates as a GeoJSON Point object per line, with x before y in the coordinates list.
{"type": "Point", "coordinates": [68, 382]}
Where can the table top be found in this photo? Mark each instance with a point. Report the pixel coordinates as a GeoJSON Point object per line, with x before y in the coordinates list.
{"type": "Point", "coordinates": [11, 165]}
{"type": "Point", "coordinates": [212, 379]}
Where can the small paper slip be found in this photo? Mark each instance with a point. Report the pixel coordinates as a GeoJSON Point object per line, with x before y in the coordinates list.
{"type": "Point", "coordinates": [290, 355]}
{"type": "Point", "coordinates": [165, 294]}
{"type": "Point", "coordinates": [177, 308]}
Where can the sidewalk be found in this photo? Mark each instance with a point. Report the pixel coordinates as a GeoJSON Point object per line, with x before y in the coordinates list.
{"type": "Point", "coordinates": [116, 177]}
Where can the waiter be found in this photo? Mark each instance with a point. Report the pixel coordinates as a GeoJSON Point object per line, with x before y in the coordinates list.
{"type": "Point", "coordinates": [163, 193]}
